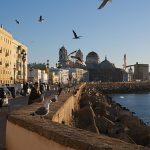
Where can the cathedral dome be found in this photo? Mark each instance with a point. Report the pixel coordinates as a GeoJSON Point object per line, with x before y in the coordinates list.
{"type": "Point", "coordinates": [92, 58]}
{"type": "Point", "coordinates": [106, 64]}
{"type": "Point", "coordinates": [93, 55]}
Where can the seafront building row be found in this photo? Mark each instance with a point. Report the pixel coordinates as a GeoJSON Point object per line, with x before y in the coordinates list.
{"type": "Point", "coordinates": [14, 66]}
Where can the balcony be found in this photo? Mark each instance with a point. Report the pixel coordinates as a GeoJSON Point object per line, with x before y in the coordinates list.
{"type": "Point", "coordinates": [19, 73]}
{"type": "Point", "coordinates": [6, 65]}
{"type": "Point", "coordinates": [19, 47]}
{"type": "Point", "coordinates": [6, 54]}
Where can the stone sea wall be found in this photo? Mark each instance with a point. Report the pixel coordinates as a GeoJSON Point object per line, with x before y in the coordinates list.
{"type": "Point", "coordinates": [98, 113]}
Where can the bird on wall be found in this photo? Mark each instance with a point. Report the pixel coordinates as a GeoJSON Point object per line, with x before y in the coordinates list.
{"type": "Point", "coordinates": [44, 110]}
{"type": "Point", "coordinates": [103, 4]}
{"type": "Point", "coordinates": [75, 35]}
{"type": "Point", "coordinates": [17, 21]}
{"type": "Point", "coordinates": [40, 19]}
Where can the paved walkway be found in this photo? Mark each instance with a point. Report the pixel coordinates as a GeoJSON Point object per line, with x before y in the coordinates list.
{"type": "Point", "coordinates": [13, 104]}
{"type": "Point", "coordinates": [3, 120]}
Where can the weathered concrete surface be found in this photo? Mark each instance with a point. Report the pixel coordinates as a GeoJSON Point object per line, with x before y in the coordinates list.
{"type": "Point", "coordinates": [70, 137]}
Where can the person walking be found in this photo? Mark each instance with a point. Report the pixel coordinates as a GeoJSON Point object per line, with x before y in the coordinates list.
{"type": "Point", "coordinates": [25, 88]}
{"type": "Point", "coordinates": [59, 89]}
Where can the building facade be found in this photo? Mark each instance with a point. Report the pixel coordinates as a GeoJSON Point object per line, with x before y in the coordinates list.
{"type": "Point", "coordinates": [104, 71]}
{"type": "Point", "coordinates": [72, 75]}
{"type": "Point", "coordinates": [141, 72]}
{"type": "Point", "coordinates": [6, 69]}
{"type": "Point", "coordinates": [13, 59]}
{"type": "Point", "coordinates": [37, 75]}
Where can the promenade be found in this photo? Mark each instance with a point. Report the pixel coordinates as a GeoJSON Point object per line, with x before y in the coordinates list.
{"type": "Point", "coordinates": [14, 104]}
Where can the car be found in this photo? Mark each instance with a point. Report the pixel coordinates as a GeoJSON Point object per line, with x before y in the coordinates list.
{"type": "Point", "coordinates": [12, 89]}
{"type": "Point", "coordinates": [4, 96]}
{"type": "Point", "coordinates": [6, 90]}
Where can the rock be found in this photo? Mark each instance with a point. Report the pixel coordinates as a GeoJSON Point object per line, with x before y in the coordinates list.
{"type": "Point", "coordinates": [104, 124]}
{"type": "Point", "coordinates": [86, 120]}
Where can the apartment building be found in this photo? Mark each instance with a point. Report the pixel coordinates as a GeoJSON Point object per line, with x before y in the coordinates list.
{"type": "Point", "coordinates": [141, 72]}
{"type": "Point", "coordinates": [13, 59]}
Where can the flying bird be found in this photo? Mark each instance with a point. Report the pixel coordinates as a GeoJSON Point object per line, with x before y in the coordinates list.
{"type": "Point", "coordinates": [103, 4]}
{"type": "Point", "coordinates": [40, 19]}
{"type": "Point", "coordinates": [72, 53]}
{"type": "Point", "coordinates": [75, 35]}
{"type": "Point", "coordinates": [17, 21]}
{"type": "Point", "coordinates": [78, 58]}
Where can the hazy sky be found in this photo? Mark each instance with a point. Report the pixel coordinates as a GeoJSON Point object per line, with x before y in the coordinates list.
{"type": "Point", "coordinates": [121, 27]}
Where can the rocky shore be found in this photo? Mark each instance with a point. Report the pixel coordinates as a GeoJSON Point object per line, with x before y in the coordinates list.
{"type": "Point", "coordinates": [98, 113]}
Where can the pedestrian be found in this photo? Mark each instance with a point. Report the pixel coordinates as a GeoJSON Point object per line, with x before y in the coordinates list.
{"type": "Point", "coordinates": [59, 89]}
{"type": "Point", "coordinates": [42, 88]}
{"type": "Point", "coordinates": [35, 95]}
{"type": "Point", "coordinates": [25, 88]}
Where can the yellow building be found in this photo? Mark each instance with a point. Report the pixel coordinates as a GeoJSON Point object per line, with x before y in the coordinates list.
{"type": "Point", "coordinates": [12, 68]}
{"type": "Point", "coordinates": [19, 64]}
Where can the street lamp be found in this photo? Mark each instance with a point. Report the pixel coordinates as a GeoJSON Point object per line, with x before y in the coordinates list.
{"type": "Point", "coordinates": [14, 74]}
{"type": "Point", "coordinates": [47, 66]}
{"type": "Point", "coordinates": [23, 54]}
{"type": "Point", "coordinates": [31, 75]}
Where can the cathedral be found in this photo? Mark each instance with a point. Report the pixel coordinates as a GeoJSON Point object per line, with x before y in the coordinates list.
{"type": "Point", "coordinates": [104, 71]}
{"type": "Point", "coordinates": [72, 60]}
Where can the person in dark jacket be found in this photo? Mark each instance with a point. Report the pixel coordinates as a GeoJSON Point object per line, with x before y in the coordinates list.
{"type": "Point", "coordinates": [59, 89]}
{"type": "Point", "coordinates": [25, 88]}
{"type": "Point", "coordinates": [35, 95]}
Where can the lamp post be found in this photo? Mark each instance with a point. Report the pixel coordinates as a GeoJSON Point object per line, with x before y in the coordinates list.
{"type": "Point", "coordinates": [31, 75]}
{"type": "Point", "coordinates": [47, 66]}
{"type": "Point", "coordinates": [14, 74]}
{"type": "Point", "coordinates": [23, 54]}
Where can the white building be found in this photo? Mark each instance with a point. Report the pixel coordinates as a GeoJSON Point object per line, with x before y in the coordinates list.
{"type": "Point", "coordinates": [44, 77]}
{"type": "Point", "coordinates": [59, 75]}
{"type": "Point", "coordinates": [78, 75]}
{"type": "Point", "coordinates": [63, 76]}
{"type": "Point", "coordinates": [130, 74]}
{"type": "Point", "coordinates": [37, 75]}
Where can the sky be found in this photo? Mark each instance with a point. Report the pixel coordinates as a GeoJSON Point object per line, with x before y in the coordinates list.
{"type": "Point", "coordinates": [121, 27]}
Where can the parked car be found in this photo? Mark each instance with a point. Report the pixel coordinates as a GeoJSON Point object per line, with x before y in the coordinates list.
{"type": "Point", "coordinates": [8, 93]}
{"type": "Point", "coordinates": [3, 96]}
{"type": "Point", "coordinates": [12, 89]}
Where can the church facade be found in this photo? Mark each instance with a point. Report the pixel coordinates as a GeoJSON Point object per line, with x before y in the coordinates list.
{"type": "Point", "coordinates": [104, 71]}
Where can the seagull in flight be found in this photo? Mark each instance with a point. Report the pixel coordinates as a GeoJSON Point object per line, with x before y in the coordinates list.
{"type": "Point", "coordinates": [40, 19]}
{"type": "Point", "coordinates": [72, 53]}
{"type": "Point", "coordinates": [75, 35]}
{"type": "Point", "coordinates": [103, 4]}
{"type": "Point", "coordinates": [17, 21]}
{"type": "Point", "coordinates": [78, 58]}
